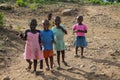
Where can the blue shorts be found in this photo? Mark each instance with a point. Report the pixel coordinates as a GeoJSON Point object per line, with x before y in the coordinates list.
{"type": "Point", "coordinates": [80, 41]}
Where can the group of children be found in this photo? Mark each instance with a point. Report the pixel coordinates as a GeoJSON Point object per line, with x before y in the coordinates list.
{"type": "Point", "coordinates": [39, 43]}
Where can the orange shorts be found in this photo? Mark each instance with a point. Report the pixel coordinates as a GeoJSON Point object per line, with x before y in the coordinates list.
{"type": "Point", "coordinates": [47, 53]}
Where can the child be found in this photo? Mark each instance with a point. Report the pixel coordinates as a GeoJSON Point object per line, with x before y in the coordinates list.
{"type": "Point", "coordinates": [80, 30]}
{"type": "Point", "coordinates": [59, 31]}
{"type": "Point", "coordinates": [32, 47]}
{"type": "Point", "coordinates": [51, 21]}
{"type": "Point", "coordinates": [47, 40]}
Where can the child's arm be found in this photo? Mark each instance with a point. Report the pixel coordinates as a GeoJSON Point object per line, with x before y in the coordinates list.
{"type": "Point", "coordinates": [40, 42]}
{"type": "Point", "coordinates": [53, 41]}
{"type": "Point", "coordinates": [74, 31]}
{"type": "Point", "coordinates": [24, 36]}
{"type": "Point", "coordinates": [63, 30]}
{"type": "Point", "coordinates": [83, 31]}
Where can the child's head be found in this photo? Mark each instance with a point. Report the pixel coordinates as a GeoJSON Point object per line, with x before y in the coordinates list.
{"type": "Point", "coordinates": [45, 24]}
{"type": "Point", "coordinates": [49, 16]}
{"type": "Point", "coordinates": [79, 19]}
{"type": "Point", "coordinates": [33, 24]}
{"type": "Point", "coordinates": [57, 20]}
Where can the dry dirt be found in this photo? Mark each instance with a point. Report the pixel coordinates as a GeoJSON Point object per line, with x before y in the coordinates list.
{"type": "Point", "coordinates": [102, 55]}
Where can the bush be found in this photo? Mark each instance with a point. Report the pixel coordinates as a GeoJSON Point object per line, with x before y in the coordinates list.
{"type": "Point", "coordinates": [21, 3]}
{"type": "Point", "coordinates": [33, 6]}
{"type": "Point", "coordinates": [99, 2]}
{"type": "Point", "coordinates": [1, 19]}
{"type": "Point", "coordinates": [94, 1]}
{"type": "Point", "coordinates": [105, 3]}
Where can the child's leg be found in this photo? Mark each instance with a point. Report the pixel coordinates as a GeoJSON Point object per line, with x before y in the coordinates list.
{"type": "Point", "coordinates": [46, 60]}
{"type": "Point", "coordinates": [63, 55]}
{"type": "Point", "coordinates": [41, 64]}
{"type": "Point", "coordinates": [30, 63]}
{"type": "Point", "coordinates": [82, 49]}
{"type": "Point", "coordinates": [51, 62]}
{"type": "Point", "coordinates": [76, 50]}
{"type": "Point", "coordinates": [58, 58]}
{"type": "Point", "coordinates": [35, 65]}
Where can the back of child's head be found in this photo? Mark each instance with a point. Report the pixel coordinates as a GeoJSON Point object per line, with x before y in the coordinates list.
{"type": "Point", "coordinates": [33, 22]}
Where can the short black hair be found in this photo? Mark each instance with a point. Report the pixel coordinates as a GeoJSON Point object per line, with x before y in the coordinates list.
{"type": "Point", "coordinates": [43, 21]}
{"type": "Point", "coordinates": [80, 17]}
{"type": "Point", "coordinates": [50, 14]}
{"type": "Point", "coordinates": [33, 22]}
{"type": "Point", "coordinates": [57, 17]}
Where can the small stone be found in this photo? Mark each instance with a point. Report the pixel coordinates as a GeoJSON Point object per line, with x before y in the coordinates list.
{"type": "Point", "coordinates": [93, 68]}
{"type": "Point", "coordinates": [107, 67]}
{"type": "Point", "coordinates": [112, 54]}
{"type": "Point", "coordinates": [67, 12]}
{"type": "Point", "coordinates": [69, 68]}
{"type": "Point", "coordinates": [81, 66]}
{"type": "Point", "coordinates": [90, 74]}
{"type": "Point", "coordinates": [6, 7]}
{"type": "Point", "coordinates": [6, 78]}
{"type": "Point", "coordinates": [113, 57]}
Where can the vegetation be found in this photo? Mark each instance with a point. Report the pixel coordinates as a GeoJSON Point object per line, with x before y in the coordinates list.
{"type": "Point", "coordinates": [3, 1]}
{"type": "Point", "coordinates": [21, 3]}
{"type": "Point", "coordinates": [1, 19]}
{"type": "Point", "coordinates": [35, 3]}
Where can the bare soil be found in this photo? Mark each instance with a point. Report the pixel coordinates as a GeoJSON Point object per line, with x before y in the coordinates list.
{"type": "Point", "coordinates": [102, 55]}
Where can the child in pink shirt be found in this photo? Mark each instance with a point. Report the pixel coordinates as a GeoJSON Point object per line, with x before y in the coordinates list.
{"type": "Point", "coordinates": [80, 40]}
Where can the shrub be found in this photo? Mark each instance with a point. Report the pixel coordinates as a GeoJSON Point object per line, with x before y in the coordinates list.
{"type": "Point", "coordinates": [33, 6]}
{"type": "Point", "coordinates": [95, 1]}
{"type": "Point", "coordinates": [105, 3]}
{"type": "Point", "coordinates": [21, 3]}
{"type": "Point", "coordinates": [1, 19]}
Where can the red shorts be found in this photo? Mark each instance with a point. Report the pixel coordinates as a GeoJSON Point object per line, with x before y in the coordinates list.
{"type": "Point", "coordinates": [47, 53]}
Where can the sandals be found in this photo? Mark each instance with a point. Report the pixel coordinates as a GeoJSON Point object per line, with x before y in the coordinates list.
{"type": "Point", "coordinates": [47, 69]}
{"type": "Point", "coordinates": [59, 68]}
{"type": "Point", "coordinates": [52, 71]}
{"type": "Point", "coordinates": [35, 73]}
{"type": "Point", "coordinates": [76, 55]}
{"type": "Point", "coordinates": [82, 57]}
{"type": "Point", "coordinates": [29, 67]}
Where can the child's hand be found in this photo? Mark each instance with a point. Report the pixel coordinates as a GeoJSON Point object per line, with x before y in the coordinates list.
{"type": "Point", "coordinates": [79, 30]}
{"type": "Point", "coordinates": [60, 27]}
{"type": "Point", "coordinates": [63, 29]}
{"type": "Point", "coordinates": [53, 42]}
{"type": "Point", "coordinates": [21, 35]}
{"type": "Point", "coordinates": [83, 31]}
